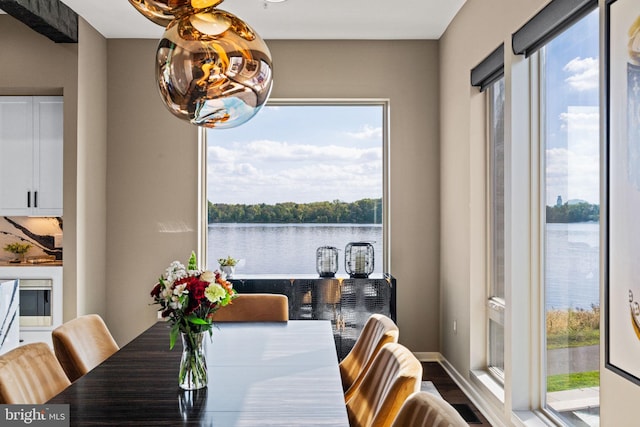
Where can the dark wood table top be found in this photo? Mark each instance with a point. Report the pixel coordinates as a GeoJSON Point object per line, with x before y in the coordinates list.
{"type": "Point", "coordinates": [260, 374]}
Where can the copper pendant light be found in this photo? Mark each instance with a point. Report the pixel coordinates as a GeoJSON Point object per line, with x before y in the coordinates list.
{"type": "Point", "coordinates": [212, 69]}
{"type": "Point", "coordinates": [162, 12]}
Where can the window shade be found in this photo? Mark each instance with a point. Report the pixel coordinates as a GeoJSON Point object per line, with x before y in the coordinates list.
{"type": "Point", "coordinates": [549, 22]}
{"type": "Point", "coordinates": [489, 70]}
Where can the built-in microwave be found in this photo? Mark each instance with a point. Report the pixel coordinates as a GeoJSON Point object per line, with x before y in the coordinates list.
{"type": "Point", "coordinates": [35, 302]}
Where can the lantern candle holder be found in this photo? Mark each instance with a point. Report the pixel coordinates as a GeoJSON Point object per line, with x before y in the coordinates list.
{"type": "Point", "coordinates": [358, 259]}
{"type": "Point", "coordinates": [327, 261]}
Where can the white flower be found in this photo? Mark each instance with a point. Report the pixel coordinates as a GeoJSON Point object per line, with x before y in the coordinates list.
{"type": "Point", "coordinates": [208, 276]}
{"type": "Point", "coordinates": [166, 293]}
{"type": "Point", "coordinates": [180, 289]}
{"type": "Point", "coordinates": [175, 271]}
{"type": "Point", "coordinates": [175, 303]}
{"type": "Point", "coordinates": [215, 293]}
{"type": "Point", "coordinates": [193, 273]}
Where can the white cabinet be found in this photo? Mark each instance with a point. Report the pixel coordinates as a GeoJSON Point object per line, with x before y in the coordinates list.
{"type": "Point", "coordinates": [31, 153]}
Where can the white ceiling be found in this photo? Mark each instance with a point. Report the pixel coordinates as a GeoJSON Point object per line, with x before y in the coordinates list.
{"type": "Point", "coordinates": [294, 19]}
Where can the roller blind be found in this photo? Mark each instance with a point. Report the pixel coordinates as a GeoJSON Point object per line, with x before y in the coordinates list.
{"type": "Point", "coordinates": [489, 70]}
{"type": "Point", "coordinates": [549, 22]}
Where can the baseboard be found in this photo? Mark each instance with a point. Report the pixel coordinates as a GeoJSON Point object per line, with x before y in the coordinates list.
{"type": "Point", "coordinates": [428, 356]}
{"type": "Point", "coordinates": [483, 405]}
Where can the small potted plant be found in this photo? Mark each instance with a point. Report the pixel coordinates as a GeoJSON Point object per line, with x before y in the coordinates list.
{"type": "Point", "coordinates": [19, 249]}
{"type": "Point", "coordinates": [228, 265]}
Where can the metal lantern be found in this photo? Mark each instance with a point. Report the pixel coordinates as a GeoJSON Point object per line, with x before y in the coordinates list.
{"type": "Point", "coordinates": [358, 259]}
{"type": "Point", "coordinates": [327, 261]}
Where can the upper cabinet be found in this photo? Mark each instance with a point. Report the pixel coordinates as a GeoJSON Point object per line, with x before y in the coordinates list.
{"type": "Point", "coordinates": [31, 155]}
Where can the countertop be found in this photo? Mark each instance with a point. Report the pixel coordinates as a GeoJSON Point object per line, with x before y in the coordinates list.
{"type": "Point", "coordinates": [28, 264]}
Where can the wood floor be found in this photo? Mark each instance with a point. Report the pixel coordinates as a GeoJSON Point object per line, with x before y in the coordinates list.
{"type": "Point", "coordinates": [434, 372]}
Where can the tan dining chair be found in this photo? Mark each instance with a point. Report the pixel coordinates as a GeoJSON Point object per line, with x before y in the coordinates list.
{"type": "Point", "coordinates": [31, 375]}
{"type": "Point", "coordinates": [255, 308]}
{"type": "Point", "coordinates": [82, 344]}
{"type": "Point", "coordinates": [393, 376]}
{"type": "Point", "coordinates": [423, 409]}
{"type": "Point", "coordinates": [378, 331]}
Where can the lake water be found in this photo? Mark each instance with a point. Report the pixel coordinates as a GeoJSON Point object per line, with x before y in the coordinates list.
{"type": "Point", "coordinates": [572, 276]}
{"type": "Point", "coordinates": [572, 265]}
{"type": "Point", "coordinates": [287, 248]}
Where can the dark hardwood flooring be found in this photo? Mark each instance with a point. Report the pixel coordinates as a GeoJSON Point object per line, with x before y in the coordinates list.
{"type": "Point", "coordinates": [434, 372]}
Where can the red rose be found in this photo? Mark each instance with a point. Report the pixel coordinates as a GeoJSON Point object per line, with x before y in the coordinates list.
{"type": "Point", "coordinates": [155, 292]}
{"type": "Point", "coordinates": [196, 288]}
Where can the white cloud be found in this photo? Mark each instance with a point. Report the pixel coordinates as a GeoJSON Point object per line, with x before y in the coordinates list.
{"type": "Point", "coordinates": [367, 132]}
{"type": "Point", "coordinates": [267, 171]}
{"type": "Point", "coordinates": [573, 172]}
{"type": "Point", "coordinates": [584, 73]}
{"type": "Point", "coordinates": [284, 151]}
{"type": "Point", "coordinates": [586, 120]}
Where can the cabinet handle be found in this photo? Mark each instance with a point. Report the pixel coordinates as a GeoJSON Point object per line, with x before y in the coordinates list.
{"type": "Point", "coordinates": [28, 199]}
{"type": "Point", "coordinates": [35, 199]}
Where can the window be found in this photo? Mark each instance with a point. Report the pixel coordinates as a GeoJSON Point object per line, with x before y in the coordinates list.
{"type": "Point", "coordinates": [496, 300]}
{"type": "Point", "coordinates": [570, 144]}
{"type": "Point", "coordinates": [298, 176]}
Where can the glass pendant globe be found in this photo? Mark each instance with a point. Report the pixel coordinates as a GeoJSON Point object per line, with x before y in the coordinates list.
{"type": "Point", "coordinates": [162, 12]}
{"type": "Point", "coordinates": [213, 69]}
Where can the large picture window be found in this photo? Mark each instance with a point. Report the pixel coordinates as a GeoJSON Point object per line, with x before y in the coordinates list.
{"type": "Point", "coordinates": [297, 177]}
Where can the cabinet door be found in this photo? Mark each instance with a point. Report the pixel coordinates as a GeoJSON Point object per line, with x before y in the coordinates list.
{"type": "Point", "coordinates": [16, 155]}
{"type": "Point", "coordinates": [48, 155]}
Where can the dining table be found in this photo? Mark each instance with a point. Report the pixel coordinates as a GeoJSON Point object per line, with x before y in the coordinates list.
{"type": "Point", "coordinates": [259, 374]}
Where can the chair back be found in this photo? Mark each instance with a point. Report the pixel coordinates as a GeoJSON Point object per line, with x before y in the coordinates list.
{"type": "Point", "coordinates": [30, 375]}
{"type": "Point", "coordinates": [255, 308]}
{"type": "Point", "coordinates": [424, 409]}
{"type": "Point", "coordinates": [378, 331]}
{"type": "Point", "coordinates": [393, 376]}
{"type": "Point", "coordinates": [82, 344]}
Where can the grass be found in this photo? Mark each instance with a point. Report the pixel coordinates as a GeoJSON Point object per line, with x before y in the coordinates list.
{"type": "Point", "coordinates": [573, 328]}
{"type": "Point", "coordinates": [572, 381]}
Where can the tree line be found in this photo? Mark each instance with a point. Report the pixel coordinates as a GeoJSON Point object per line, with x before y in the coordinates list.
{"type": "Point", "coordinates": [575, 212]}
{"type": "Point", "coordinates": [364, 211]}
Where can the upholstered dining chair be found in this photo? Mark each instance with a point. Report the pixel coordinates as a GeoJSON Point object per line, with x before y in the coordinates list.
{"type": "Point", "coordinates": [82, 344]}
{"type": "Point", "coordinates": [423, 409]}
{"type": "Point", "coordinates": [378, 331]}
{"type": "Point", "coordinates": [255, 308]}
{"type": "Point", "coordinates": [31, 375]}
{"type": "Point", "coordinates": [393, 376]}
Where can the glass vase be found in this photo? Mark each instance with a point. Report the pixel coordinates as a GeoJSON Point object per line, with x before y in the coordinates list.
{"type": "Point", "coordinates": [193, 365]}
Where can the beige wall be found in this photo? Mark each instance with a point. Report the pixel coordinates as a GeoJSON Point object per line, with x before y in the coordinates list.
{"type": "Point", "coordinates": [91, 172]}
{"type": "Point", "coordinates": [152, 179]}
{"type": "Point", "coordinates": [152, 176]}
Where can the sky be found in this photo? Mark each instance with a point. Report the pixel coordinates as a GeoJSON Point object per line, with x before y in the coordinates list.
{"type": "Point", "coordinates": [324, 153]}
{"type": "Point", "coordinates": [298, 154]}
{"type": "Point", "coordinates": [572, 113]}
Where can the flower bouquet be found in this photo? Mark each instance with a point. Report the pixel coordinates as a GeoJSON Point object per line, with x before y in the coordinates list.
{"type": "Point", "coordinates": [188, 298]}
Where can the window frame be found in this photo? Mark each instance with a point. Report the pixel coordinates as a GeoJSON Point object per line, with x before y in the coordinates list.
{"type": "Point", "coordinates": [538, 66]}
{"type": "Point", "coordinates": [386, 142]}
